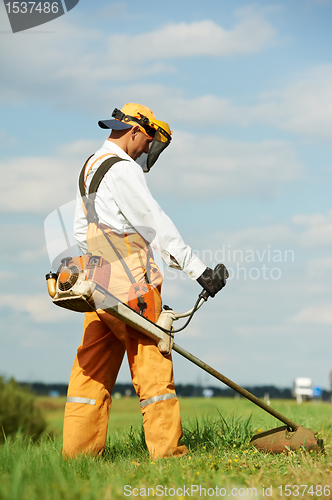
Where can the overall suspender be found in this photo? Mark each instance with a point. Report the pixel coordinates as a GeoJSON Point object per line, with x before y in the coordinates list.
{"type": "Point", "coordinates": [88, 198]}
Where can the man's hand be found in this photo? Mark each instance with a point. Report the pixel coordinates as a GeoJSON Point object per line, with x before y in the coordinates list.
{"type": "Point", "coordinates": [213, 280]}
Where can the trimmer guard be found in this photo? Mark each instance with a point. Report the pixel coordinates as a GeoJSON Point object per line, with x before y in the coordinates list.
{"type": "Point", "coordinates": [281, 440]}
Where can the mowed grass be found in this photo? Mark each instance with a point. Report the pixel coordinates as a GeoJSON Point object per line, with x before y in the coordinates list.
{"type": "Point", "coordinates": [220, 462]}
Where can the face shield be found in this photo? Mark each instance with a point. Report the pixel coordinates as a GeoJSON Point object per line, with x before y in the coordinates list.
{"type": "Point", "coordinates": [156, 129]}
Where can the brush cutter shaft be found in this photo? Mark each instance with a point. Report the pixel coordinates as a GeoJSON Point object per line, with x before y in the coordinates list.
{"type": "Point", "coordinates": [164, 341]}
{"type": "Point", "coordinates": [234, 386]}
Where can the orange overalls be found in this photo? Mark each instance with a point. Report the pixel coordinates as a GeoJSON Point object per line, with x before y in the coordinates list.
{"type": "Point", "coordinates": [98, 360]}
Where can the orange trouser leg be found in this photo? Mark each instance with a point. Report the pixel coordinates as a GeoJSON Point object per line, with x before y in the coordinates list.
{"type": "Point", "coordinates": [93, 376]}
{"type": "Point", "coordinates": [152, 376]}
{"type": "Point", "coordinates": [99, 358]}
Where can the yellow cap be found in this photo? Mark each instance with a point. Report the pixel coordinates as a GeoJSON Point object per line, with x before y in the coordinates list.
{"type": "Point", "coordinates": [137, 111]}
{"type": "Point", "coordinates": [133, 114]}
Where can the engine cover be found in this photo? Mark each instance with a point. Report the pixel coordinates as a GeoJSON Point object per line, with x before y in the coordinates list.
{"type": "Point", "coordinates": [79, 282]}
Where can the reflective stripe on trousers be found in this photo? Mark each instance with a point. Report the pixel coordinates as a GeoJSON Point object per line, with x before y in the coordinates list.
{"type": "Point", "coordinates": [155, 399]}
{"type": "Point", "coordinates": [85, 401]}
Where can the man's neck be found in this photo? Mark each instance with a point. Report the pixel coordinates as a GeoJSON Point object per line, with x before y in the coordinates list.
{"type": "Point", "coordinates": [121, 143]}
{"type": "Point", "coordinates": [120, 138]}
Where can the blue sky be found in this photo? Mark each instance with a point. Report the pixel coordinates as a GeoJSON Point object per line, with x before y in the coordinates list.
{"type": "Point", "coordinates": [247, 90]}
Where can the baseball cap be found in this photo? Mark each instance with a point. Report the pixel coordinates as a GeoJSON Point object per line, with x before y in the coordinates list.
{"type": "Point", "coordinates": [129, 110]}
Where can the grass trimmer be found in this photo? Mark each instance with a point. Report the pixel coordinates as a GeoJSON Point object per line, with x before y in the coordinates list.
{"type": "Point", "coordinates": [81, 285]}
{"type": "Point", "coordinates": [289, 437]}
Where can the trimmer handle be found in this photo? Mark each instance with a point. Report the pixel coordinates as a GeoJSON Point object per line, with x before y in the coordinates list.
{"type": "Point", "coordinates": [213, 280]}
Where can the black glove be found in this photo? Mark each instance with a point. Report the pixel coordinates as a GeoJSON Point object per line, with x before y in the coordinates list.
{"type": "Point", "coordinates": [213, 280]}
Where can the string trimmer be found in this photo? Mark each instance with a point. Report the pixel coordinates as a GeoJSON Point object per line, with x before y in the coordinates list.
{"type": "Point", "coordinates": [80, 285]}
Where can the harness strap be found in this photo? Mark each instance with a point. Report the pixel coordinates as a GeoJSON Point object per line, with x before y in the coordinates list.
{"type": "Point", "coordinates": [94, 162]}
{"type": "Point", "coordinates": [97, 176]}
{"type": "Point", "coordinates": [119, 256]}
{"type": "Point", "coordinates": [102, 171]}
{"type": "Point", "coordinates": [88, 199]}
{"type": "Point", "coordinates": [81, 184]}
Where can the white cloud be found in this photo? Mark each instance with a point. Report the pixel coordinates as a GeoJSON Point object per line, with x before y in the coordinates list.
{"type": "Point", "coordinates": [37, 185]}
{"type": "Point", "coordinates": [210, 166]}
{"type": "Point", "coordinates": [320, 269]}
{"type": "Point", "coordinates": [273, 263]}
{"type": "Point", "coordinates": [201, 38]}
{"type": "Point", "coordinates": [303, 106]}
{"type": "Point", "coordinates": [170, 104]}
{"type": "Point", "coordinates": [204, 166]}
{"type": "Point", "coordinates": [315, 314]}
{"type": "Point", "coordinates": [6, 275]}
{"type": "Point", "coordinates": [274, 246]}
{"type": "Point", "coordinates": [41, 184]}
{"type": "Point", "coordinates": [301, 233]}
{"type": "Point", "coordinates": [254, 298]}
{"type": "Point", "coordinates": [261, 331]}
{"type": "Point", "coordinates": [40, 308]}
{"type": "Point", "coordinates": [69, 63]}
{"type": "Point", "coordinates": [317, 229]}
{"type": "Point", "coordinates": [77, 149]}
{"type": "Point", "coordinates": [22, 243]}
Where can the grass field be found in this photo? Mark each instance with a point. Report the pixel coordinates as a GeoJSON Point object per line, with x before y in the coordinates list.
{"type": "Point", "coordinates": [220, 462]}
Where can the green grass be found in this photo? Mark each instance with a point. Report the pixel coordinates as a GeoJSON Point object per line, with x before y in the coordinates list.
{"type": "Point", "coordinates": [217, 432]}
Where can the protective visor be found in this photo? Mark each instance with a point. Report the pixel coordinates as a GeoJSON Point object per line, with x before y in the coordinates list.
{"type": "Point", "coordinates": [158, 130]}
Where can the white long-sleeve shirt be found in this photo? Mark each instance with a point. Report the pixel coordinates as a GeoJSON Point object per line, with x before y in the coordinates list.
{"type": "Point", "coordinates": [124, 203]}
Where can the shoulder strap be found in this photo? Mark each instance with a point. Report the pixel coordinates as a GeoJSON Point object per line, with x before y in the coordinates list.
{"type": "Point", "coordinates": [98, 175]}
{"type": "Point", "coordinates": [88, 196]}
{"type": "Point", "coordinates": [81, 178]}
{"type": "Point", "coordinates": [88, 199]}
{"type": "Point", "coordinates": [101, 171]}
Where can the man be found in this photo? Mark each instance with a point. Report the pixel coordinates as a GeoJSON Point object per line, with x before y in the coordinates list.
{"type": "Point", "coordinates": [121, 225]}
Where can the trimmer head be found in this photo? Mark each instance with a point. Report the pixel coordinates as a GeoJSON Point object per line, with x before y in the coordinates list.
{"type": "Point", "coordinates": [281, 440]}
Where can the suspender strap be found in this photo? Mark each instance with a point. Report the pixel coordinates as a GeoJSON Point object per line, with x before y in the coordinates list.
{"type": "Point", "coordinates": [119, 256]}
{"type": "Point", "coordinates": [101, 171]}
{"type": "Point", "coordinates": [88, 199]}
{"type": "Point", "coordinates": [97, 176]}
{"type": "Point", "coordinates": [81, 178]}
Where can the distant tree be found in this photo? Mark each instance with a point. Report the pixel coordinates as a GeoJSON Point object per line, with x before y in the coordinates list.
{"type": "Point", "coordinates": [18, 411]}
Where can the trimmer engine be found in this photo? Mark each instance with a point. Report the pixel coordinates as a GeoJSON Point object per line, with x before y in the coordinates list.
{"type": "Point", "coordinates": [77, 283]}
{"type": "Point", "coordinates": [81, 284]}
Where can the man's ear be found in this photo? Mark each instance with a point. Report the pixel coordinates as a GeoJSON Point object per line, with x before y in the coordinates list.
{"type": "Point", "coordinates": [134, 130]}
